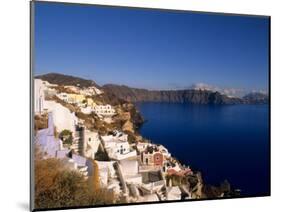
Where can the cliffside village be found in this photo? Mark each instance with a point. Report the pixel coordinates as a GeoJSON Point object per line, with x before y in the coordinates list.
{"type": "Point", "coordinates": [137, 171]}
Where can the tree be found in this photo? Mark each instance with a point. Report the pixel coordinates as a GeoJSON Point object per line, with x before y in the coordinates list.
{"type": "Point", "coordinates": [100, 195]}
{"type": "Point", "coordinates": [95, 181]}
{"type": "Point", "coordinates": [66, 137]}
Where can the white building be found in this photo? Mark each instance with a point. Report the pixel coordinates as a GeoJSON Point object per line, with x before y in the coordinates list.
{"type": "Point", "coordinates": [85, 142]}
{"type": "Point", "coordinates": [141, 146]}
{"type": "Point", "coordinates": [117, 146]}
{"type": "Point", "coordinates": [108, 176]}
{"type": "Point", "coordinates": [52, 147]}
{"type": "Point", "coordinates": [119, 150]}
{"type": "Point", "coordinates": [63, 96]}
{"type": "Point", "coordinates": [46, 141]}
{"type": "Point", "coordinates": [63, 117]}
{"type": "Point", "coordinates": [39, 95]}
{"type": "Point", "coordinates": [91, 143]}
{"type": "Point", "coordinates": [116, 135]}
{"type": "Point", "coordinates": [164, 151]}
{"type": "Point", "coordinates": [104, 110]}
{"type": "Point", "coordinates": [129, 168]}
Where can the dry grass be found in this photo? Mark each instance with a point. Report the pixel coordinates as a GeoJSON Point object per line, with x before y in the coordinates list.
{"type": "Point", "coordinates": [40, 122]}
{"type": "Point", "coordinates": [57, 186]}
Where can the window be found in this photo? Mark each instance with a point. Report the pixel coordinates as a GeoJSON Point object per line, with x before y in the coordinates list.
{"type": "Point", "coordinates": [89, 139]}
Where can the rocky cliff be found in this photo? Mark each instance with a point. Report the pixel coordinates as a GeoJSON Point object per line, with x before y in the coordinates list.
{"type": "Point", "coordinates": [181, 96]}
{"type": "Point", "coordinates": [256, 98]}
{"type": "Point", "coordinates": [120, 94]}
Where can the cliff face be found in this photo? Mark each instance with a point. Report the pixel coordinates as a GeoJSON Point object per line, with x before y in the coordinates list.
{"type": "Point", "coordinates": [181, 96]}
{"type": "Point", "coordinates": [256, 98]}
{"type": "Point", "coordinates": [120, 94]}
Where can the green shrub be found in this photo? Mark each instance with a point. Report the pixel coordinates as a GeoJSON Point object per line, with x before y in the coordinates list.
{"type": "Point", "coordinates": [66, 137]}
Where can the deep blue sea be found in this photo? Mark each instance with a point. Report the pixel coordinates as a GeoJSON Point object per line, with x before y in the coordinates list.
{"type": "Point", "coordinates": [223, 142]}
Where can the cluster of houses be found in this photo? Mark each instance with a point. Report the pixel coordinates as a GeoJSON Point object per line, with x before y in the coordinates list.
{"type": "Point", "coordinates": [78, 96]}
{"type": "Point", "coordinates": [141, 169]}
{"type": "Point", "coordinates": [86, 104]}
{"type": "Point", "coordinates": [136, 170]}
{"type": "Point", "coordinates": [52, 147]}
{"type": "Point", "coordinates": [85, 143]}
{"type": "Point", "coordinates": [89, 91]}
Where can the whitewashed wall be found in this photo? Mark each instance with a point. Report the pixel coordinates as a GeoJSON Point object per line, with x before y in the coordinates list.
{"type": "Point", "coordinates": [63, 117]}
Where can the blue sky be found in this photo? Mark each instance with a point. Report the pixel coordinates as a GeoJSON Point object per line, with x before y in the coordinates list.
{"type": "Point", "coordinates": [151, 49]}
